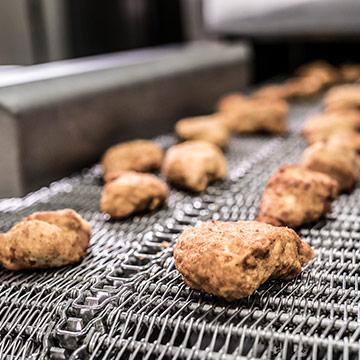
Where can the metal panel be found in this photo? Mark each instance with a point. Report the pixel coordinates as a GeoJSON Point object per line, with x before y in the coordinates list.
{"type": "Point", "coordinates": [15, 40]}
{"type": "Point", "coordinates": [284, 19]}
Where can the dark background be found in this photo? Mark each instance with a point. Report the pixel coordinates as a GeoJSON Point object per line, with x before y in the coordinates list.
{"type": "Point", "coordinates": [122, 25]}
{"type": "Point", "coordinates": [278, 56]}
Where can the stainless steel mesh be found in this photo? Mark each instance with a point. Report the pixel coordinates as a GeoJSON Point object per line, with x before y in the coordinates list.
{"type": "Point", "coordinates": [127, 301]}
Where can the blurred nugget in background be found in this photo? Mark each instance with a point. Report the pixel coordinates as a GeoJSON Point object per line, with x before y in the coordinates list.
{"type": "Point", "coordinates": [323, 126]}
{"type": "Point", "coordinates": [343, 97]}
{"type": "Point", "coordinates": [350, 72]}
{"type": "Point", "coordinates": [249, 115]}
{"type": "Point", "coordinates": [208, 128]}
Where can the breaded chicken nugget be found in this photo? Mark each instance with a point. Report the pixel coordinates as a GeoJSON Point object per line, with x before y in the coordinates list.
{"type": "Point", "coordinates": [230, 101]}
{"type": "Point", "coordinates": [339, 162]}
{"type": "Point", "coordinates": [348, 140]}
{"type": "Point", "coordinates": [232, 259]}
{"type": "Point", "coordinates": [131, 192]}
{"type": "Point", "coordinates": [273, 91]}
{"type": "Point", "coordinates": [350, 72]}
{"type": "Point", "coordinates": [208, 128]}
{"type": "Point", "coordinates": [137, 155]}
{"type": "Point", "coordinates": [295, 196]}
{"type": "Point", "coordinates": [323, 126]}
{"type": "Point", "coordinates": [304, 87]}
{"type": "Point", "coordinates": [343, 97]}
{"type": "Point", "coordinates": [194, 164]}
{"type": "Point", "coordinates": [248, 115]}
{"type": "Point", "coordinates": [44, 240]}
{"type": "Point", "coordinates": [320, 70]}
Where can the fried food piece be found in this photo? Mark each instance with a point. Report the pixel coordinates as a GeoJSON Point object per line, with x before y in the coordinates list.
{"type": "Point", "coordinates": [131, 192]}
{"type": "Point", "coordinates": [310, 79]}
{"type": "Point", "coordinates": [304, 87]}
{"type": "Point", "coordinates": [194, 164]}
{"type": "Point", "coordinates": [348, 140]}
{"type": "Point", "coordinates": [232, 259]}
{"type": "Point", "coordinates": [323, 126]}
{"type": "Point", "coordinates": [273, 91]}
{"type": "Point", "coordinates": [45, 240]}
{"type": "Point", "coordinates": [230, 101]}
{"type": "Point", "coordinates": [249, 115]}
{"type": "Point", "coordinates": [208, 128]}
{"type": "Point", "coordinates": [350, 72]}
{"type": "Point", "coordinates": [295, 196]}
{"type": "Point", "coordinates": [343, 97]}
{"type": "Point", "coordinates": [137, 155]}
{"type": "Point", "coordinates": [339, 162]}
{"type": "Point", "coordinates": [321, 70]}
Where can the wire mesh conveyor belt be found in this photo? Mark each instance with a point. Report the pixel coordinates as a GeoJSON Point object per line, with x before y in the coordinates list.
{"type": "Point", "coordinates": [127, 301]}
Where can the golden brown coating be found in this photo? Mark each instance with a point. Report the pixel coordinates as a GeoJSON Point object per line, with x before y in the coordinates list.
{"type": "Point", "coordinates": [131, 192]}
{"type": "Point", "coordinates": [339, 162]}
{"type": "Point", "coordinates": [230, 101]}
{"type": "Point", "coordinates": [248, 115]}
{"type": "Point", "coordinates": [304, 87]}
{"type": "Point", "coordinates": [348, 140]}
{"type": "Point", "coordinates": [208, 128]}
{"type": "Point", "coordinates": [350, 72]}
{"type": "Point", "coordinates": [137, 155]}
{"type": "Point", "coordinates": [295, 196]}
{"type": "Point", "coordinates": [323, 126]}
{"type": "Point", "coordinates": [44, 240]}
{"type": "Point", "coordinates": [273, 91]}
{"type": "Point", "coordinates": [321, 70]}
{"type": "Point", "coordinates": [194, 164]}
{"type": "Point", "coordinates": [232, 259]}
{"type": "Point", "coordinates": [343, 97]}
